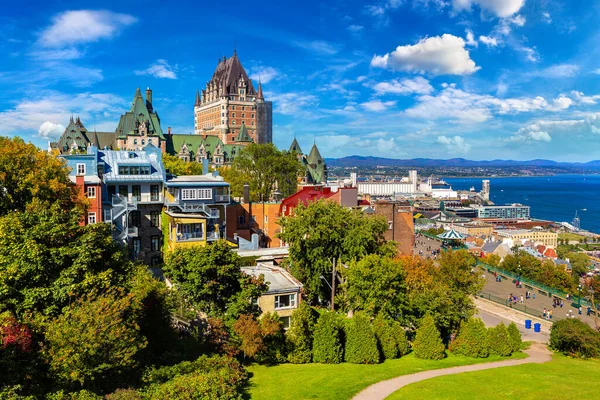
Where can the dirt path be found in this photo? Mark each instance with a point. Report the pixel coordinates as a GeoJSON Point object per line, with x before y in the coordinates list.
{"type": "Point", "coordinates": [538, 353]}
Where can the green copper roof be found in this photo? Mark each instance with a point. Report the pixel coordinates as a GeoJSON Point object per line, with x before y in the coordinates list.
{"type": "Point", "coordinates": [193, 143]}
{"type": "Point", "coordinates": [139, 113]}
{"type": "Point", "coordinates": [315, 166]}
{"type": "Point", "coordinates": [243, 135]}
{"type": "Point", "coordinates": [315, 157]}
{"type": "Point", "coordinates": [295, 147]}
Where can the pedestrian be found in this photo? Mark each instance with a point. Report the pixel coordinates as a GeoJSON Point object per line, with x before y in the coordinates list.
{"type": "Point", "coordinates": [579, 310]}
{"type": "Point", "coordinates": [550, 314]}
{"type": "Point", "coordinates": [562, 303]}
{"type": "Point", "coordinates": [522, 299]}
{"type": "Point", "coordinates": [544, 313]}
{"type": "Point", "coordinates": [534, 296]}
{"type": "Point", "coordinates": [589, 311]}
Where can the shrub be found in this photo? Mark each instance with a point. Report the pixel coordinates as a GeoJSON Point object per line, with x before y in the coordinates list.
{"type": "Point", "coordinates": [81, 395]}
{"type": "Point", "coordinates": [428, 343]}
{"type": "Point", "coordinates": [401, 340]}
{"type": "Point", "coordinates": [386, 339]}
{"type": "Point", "coordinates": [514, 337]}
{"type": "Point", "coordinates": [327, 347]}
{"type": "Point", "coordinates": [124, 394]}
{"type": "Point", "coordinates": [498, 341]}
{"type": "Point", "coordinates": [203, 364]}
{"type": "Point", "coordinates": [576, 338]}
{"type": "Point", "coordinates": [273, 338]}
{"type": "Point", "coordinates": [471, 340]}
{"type": "Point", "coordinates": [300, 334]}
{"type": "Point", "coordinates": [361, 343]}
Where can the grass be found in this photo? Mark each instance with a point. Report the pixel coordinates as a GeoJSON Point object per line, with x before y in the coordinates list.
{"type": "Point", "coordinates": [561, 378]}
{"type": "Point", "coordinates": [570, 236]}
{"type": "Point", "coordinates": [339, 381]}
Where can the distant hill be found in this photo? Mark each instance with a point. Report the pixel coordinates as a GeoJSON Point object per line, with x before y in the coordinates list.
{"type": "Point", "coordinates": [361, 161]}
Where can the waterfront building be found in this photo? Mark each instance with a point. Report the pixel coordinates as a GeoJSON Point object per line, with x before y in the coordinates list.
{"type": "Point", "coordinates": [283, 294]}
{"type": "Point", "coordinates": [229, 102]}
{"type": "Point", "coordinates": [133, 203]}
{"type": "Point", "coordinates": [519, 236]}
{"type": "Point", "coordinates": [513, 211]}
{"type": "Point", "coordinates": [83, 171]}
{"type": "Point", "coordinates": [195, 209]}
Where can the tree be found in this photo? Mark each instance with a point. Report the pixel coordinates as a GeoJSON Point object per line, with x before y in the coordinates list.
{"type": "Point", "coordinates": [361, 343]}
{"type": "Point", "coordinates": [491, 259]}
{"type": "Point", "coordinates": [471, 340]}
{"type": "Point", "coordinates": [300, 334]}
{"type": "Point", "coordinates": [327, 347]}
{"type": "Point", "coordinates": [322, 231]}
{"type": "Point", "coordinates": [95, 342]}
{"type": "Point", "coordinates": [29, 176]}
{"type": "Point", "coordinates": [212, 280]}
{"type": "Point", "coordinates": [273, 338]}
{"type": "Point", "coordinates": [177, 166]}
{"type": "Point", "coordinates": [401, 339]}
{"type": "Point", "coordinates": [17, 352]}
{"type": "Point", "coordinates": [514, 337]}
{"type": "Point", "coordinates": [248, 330]}
{"type": "Point", "coordinates": [575, 338]}
{"type": "Point", "coordinates": [265, 169]}
{"type": "Point", "coordinates": [48, 260]}
{"type": "Point", "coordinates": [498, 341]}
{"type": "Point", "coordinates": [428, 343]}
{"type": "Point", "coordinates": [387, 341]}
{"type": "Point", "coordinates": [580, 263]}
{"type": "Point", "coordinates": [376, 285]}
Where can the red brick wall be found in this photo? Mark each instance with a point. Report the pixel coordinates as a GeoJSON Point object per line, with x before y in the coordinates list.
{"type": "Point", "coordinates": [401, 225]}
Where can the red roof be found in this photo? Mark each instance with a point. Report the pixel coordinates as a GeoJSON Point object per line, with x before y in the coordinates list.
{"type": "Point", "coordinates": [550, 253]}
{"type": "Point", "coordinates": [363, 202]}
{"type": "Point", "coordinates": [304, 196]}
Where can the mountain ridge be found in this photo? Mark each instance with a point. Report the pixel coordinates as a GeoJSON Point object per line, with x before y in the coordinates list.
{"type": "Point", "coordinates": [371, 161]}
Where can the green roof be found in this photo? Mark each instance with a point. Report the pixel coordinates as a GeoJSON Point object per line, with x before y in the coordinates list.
{"type": "Point", "coordinates": [243, 135]}
{"type": "Point", "coordinates": [194, 142]}
{"type": "Point", "coordinates": [295, 147]}
{"type": "Point", "coordinates": [139, 113]}
{"type": "Point", "coordinates": [315, 166]}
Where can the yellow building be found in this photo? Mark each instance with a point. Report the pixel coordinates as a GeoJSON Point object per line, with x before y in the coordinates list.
{"type": "Point", "coordinates": [195, 210]}
{"type": "Point", "coordinates": [476, 229]}
{"type": "Point", "coordinates": [547, 238]}
{"type": "Point", "coordinates": [283, 295]}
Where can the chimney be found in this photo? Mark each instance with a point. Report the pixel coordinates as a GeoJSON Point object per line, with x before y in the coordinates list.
{"type": "Point", "coordinates": [169, 131]}
{"type": "Point", "coordinates": [246, 193]}
{"type": "Point", "coordinates": [149, 99]}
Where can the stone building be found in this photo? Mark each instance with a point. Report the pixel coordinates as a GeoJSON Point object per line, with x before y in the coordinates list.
{"type": "Point", "coordinates": [76, 139]}
{"type": "Point", "coordinates": [229, 102]}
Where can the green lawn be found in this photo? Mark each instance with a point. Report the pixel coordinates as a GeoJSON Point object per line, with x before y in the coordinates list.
{"type": "Point", "coordinates": [570, 236]}
{"type": "Point", "coordinates": [341, 381]}
{"type": "Point", "coordinates": [561, 378]}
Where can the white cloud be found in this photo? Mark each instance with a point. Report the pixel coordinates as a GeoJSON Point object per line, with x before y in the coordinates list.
{"type": "Point", "coordinates": [439, 55]}
{"type": "Point", "coordinates": [293, 103]}
{"type": "Point", "coordinates": [50, 130]}
{"type": "Point", "coordinates": [455, 145]}
{"type": "Point", "coordinates": [264, 74]}
{"type": "Point", "coordinates": [83, 26]}
{"type": "Point", "coordinates": [545, 130]}
{"type": "Point", "coordinates": [546, 17]}
{"type": "Point", "coordinates": [160, 69]}
{"type": "Point", "coordinates": [489, 41]}
{"type": "Point", "coordinates": [46, 113]}
{"type": "Point", "coordinates": [580, 98]}
{"type": "Point", "coordinates": [470, 40]}
{"type": "Point", "coordinates": [518, 20]}
{"type": "Point", "coordinates": [70, 53]}
{"type": "Point", "coordinates": [530, 53]}
{"type": "Point", "coordinates": [377, 105]}
{"type": "Point", "coordinates": [500, 8]}
{"type": "Point", "coordinates": [356, 29]}
{"type": "Point", "coordinates": [557, 71]}
{"type": "Point", "coordinates": [418, 85]}
{"type": "Point", "coordinates": [317, 46]}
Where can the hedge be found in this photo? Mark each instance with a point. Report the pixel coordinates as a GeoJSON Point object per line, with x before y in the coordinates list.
{"type": "Point", "coordinates": [386, 340]}
{"type": "Point", "coordinates": [498, 341]}
{"type": "Point", "coordinates": [300, 334]}
{"type": "Point", "coordinates": [514, 337]}
{"type": "Point", "coordinates": [428, 343]}
{"type": "Point", "coordinates": [471, 340]}
{"type": "Point", "coordinates": [575, 338]}
{"type": "Point", "coordinates": [327, 347]}
{"type": "Point", "coordinates": [361, 343]}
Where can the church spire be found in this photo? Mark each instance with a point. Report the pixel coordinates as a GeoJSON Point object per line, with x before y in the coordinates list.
{"type": "Point", "coordinates": [260, 93]}
{"type": "Point", "coordinates": [197, 98]}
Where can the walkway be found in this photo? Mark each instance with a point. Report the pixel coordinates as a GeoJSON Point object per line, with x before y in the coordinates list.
{"type": "Point", "coordinates": [538, 353]}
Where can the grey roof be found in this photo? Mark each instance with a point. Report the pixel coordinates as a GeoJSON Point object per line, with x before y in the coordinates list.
{"type": "Point", "coordinates": [490, 247]}
{"type": "Point", "coordinates": [278, 279]}
{"type": "Point", "coordinates": [149, 156]}
{"type": "Point", "coordinates": [197, 180]}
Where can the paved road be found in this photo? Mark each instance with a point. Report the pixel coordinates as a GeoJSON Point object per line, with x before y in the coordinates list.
{"type": "Point", "coordinates": [538, 353]}
{"type": "Point", "coordinates": [528, 335]}
{"type": "Point", "coordinates": [506, 287]}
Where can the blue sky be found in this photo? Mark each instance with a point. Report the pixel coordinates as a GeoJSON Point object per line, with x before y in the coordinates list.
{"type": "Point", "coordinates": [479, 79]}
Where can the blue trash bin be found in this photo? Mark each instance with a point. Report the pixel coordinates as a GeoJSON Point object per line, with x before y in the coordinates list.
{"type": "Point", "coordinates": [537, 327]}
{"type": "Point", "coordinates": [527, 324]}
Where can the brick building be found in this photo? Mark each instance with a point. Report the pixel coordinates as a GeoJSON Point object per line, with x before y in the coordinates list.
{"type": "Point", "coordinates": [245, 219]}
{"type": "Point", "coordinates": [401, 227]}
{"type": "Point", "coordinates": [229, 102]}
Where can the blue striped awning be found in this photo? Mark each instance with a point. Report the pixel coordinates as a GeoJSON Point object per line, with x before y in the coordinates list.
{"type": "Point", "coordinates": [451, 235]}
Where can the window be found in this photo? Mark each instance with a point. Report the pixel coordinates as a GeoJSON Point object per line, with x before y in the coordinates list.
{"type": "Point", "coordinates": [252, 123]}
{"type": "Point", "coordinates": [136, 244]}
{"type": "Point", "coordinates": [286, 322]}
{"type": "Point", "coordinates": [232, 115]}
{"type": "Point", "coordinates": [196, 194]}
{"type": "Point", "coordinates": [143, 141]}
{"type": "Point", "coordinates": [266, 219]}
{"type": "Point", "coordinates": [285, 301]}
{"type": "Point", "coordinates": [155, 218]}
{"type": "Point", "coordinates": [252, 116]}
{"type": "Point", "coordinates": [243, 107]}
{"type": "Point", "coordinates": [241, 220]}
{"type": "Point", "coordinates": [131, 154]}
{"type": "Point", "coordinates": [154, 193]}
{"type": "Point", "coordinates": [233, 107]}
{"type": "Point", "coordinates": [135, 218]}
{"type": "Point", "coordinates": [136, 192]}
{"type": "Point", "coordinates": [243, 115]}
{"type": "Point", "coordinates": [233, 122]}
{"type": "Point", "coordinates": [80, 169]}
{"type": "Point", "coordinates": [155, 243]}
{"type": "Point", "coordinates": [92, 218]}
{"type": "Point", "coordinates": [134, 170]}
{"type": "Point", "coordinates": [134, 141]}
{"type": "Point", "coordinates": [91, 192]}
{"type": "Point", "coordinates": [123, 190]}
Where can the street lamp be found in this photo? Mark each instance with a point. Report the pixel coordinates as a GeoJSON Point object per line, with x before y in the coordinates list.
{"type": "Point", "coordinates": [519, 276]}
{"type": "Point", "coordinates": [579, 295]}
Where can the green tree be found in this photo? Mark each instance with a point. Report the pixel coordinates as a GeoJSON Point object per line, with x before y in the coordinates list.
{"type": "Point", "coordinates": [300, 334]}
{"type": "Point", "coordinates": [327, 347]}
{"type": "Point", "coordinates": [471, 340]}
{"type": "Point", "coordinates": [266, 169]}
{"type": "Point", "coordinates": [499, 341]}
{"type": "Point", "coordinates": [29, 175]}
{"type": "Point", "coordinates": [387, 341]}
{"type": "Point", "coordinates": [514, 337]}
{"type": "Point", "coordinates": [401, 339]}
{"type": "Point", "coordinates": [361, 343]}
{"type": "Point", "coordinates": [580, 262]}
{"type": "Point", "coordinates": [428, 343]}
{"type": "Point", "coordinates": [273, 338]}
{"type": "Point", "coordinates": [177, 166]}
{"type": "Point", "coordinates": [376, 285]}
{"type": "Point", "coordinates": [575, 338]}
{"type": "Point", "coordinates": [324, 230]}
{"type": "Point", "coordinates": [95, 342]}
{"type": "Point", "coordinates": [47, 260]}
{"type": "Point", "coordinates": [212, 279]}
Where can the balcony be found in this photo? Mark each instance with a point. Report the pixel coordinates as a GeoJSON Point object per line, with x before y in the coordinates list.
{"type": "Point", "coordinates": [221, 198]}
{"type": "Point", "coordinates": [190, 237]}
{"type": "Point", "coordinates": [147, 198]}
{"type": "Point", "coordinates": [132, 231]}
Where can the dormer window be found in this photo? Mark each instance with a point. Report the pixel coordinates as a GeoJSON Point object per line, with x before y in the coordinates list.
{"type": "Point", "coordinates": [80, 169]}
